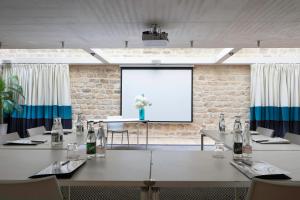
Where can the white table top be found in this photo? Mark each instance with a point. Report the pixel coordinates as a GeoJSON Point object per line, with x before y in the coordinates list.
{"type": "Point", "coordinates": [194, 169]}
{"type": "Point", "coordinates": [119, 167]}
{"type": "Point", "coordinates": [227, 138]}
{"type": "Point", "coordinates": [201, 169]}
{"type": "Point", "coordinates": [70, 138]}
{"type": "Point", "coordinates": [132, 168]}
{"type": "Point", "coordinates": [287, 160]}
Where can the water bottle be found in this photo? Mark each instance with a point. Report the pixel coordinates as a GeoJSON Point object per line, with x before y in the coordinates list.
{"type": "Point", "coordinates": [79, 125]}
{"type": "Point", "coordinates": [56, 132]}
{"type": "Point", "coordinates": [60, 130]}
{"type": "Point", "coordinates": [222, 123]}
{"type": "Point", "coordinates": [101, 142]}
{"type": "Point", "coordinates": [247, 142]}
{"type": "Point", "coordinates": [91, 142]}
{"type": "Point", "coordinates": [237, 139]}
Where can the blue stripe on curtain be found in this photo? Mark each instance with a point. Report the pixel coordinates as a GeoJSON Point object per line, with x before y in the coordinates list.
{"type": "Point", "coordinates": [275, 113]}
{"type": "Point", "coordinates": [280, 119]}
{"type": "Point", "coordinates": [33, 116]}
{"type": "Point", "coordinates": [44, 112]}
{"type": "Point", "coordinates": [42, 115]}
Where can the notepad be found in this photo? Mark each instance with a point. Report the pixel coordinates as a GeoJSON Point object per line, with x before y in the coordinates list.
{"type": "Point", "coordinates": [276, 140]}
{"type": "Point", "coordinates": [65, 131]}
{"type": "Point", "coordinates": [25, 142]}
{"type": "Point", "coordinates": [254, 132]}
{"type": "Point", "coordinates": [268, 140]}
{"type": "Point", "coordinates": [61, 169]}
{"type": "Point", "coordinates": [260, 138]}
{"type": "Point", "coordinates": [260, 169]}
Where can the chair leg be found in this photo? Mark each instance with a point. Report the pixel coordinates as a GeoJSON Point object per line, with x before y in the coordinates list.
{"type": "Point", "coordinates": [112, 139]}
{"type": "Point", "coordinates": [122, 138]}
{"type": "Point", "coordinates": [127, 138]}
{"type": "Point", "coordinates": [138, 135]}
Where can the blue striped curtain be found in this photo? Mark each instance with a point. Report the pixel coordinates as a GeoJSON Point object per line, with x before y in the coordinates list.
{"type": "Point", "coordinates": [275, 99]}
{"type": "Point", "coordinates": [46, 89]}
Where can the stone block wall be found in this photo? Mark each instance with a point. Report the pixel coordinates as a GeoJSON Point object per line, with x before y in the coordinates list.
{"type": "Point", "coordinates": [95, 90]}
{"type": "Point", "coordinates": [216, 89]}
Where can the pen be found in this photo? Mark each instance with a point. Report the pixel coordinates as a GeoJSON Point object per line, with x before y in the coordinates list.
{"type": "Point", "coordinates": [65, 163]}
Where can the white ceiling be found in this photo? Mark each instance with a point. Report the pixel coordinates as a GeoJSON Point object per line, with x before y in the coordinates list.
{"type": "Point", "coordinates": [108, 23]}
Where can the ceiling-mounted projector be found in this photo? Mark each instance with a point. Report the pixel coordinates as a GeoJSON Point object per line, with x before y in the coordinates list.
{"type": "Point", "coordinates": [154, 37]}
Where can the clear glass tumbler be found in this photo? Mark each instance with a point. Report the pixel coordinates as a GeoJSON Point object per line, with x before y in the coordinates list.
{"type": "Point", "coordinates": [219, 150]}
{"type": "Point", "coordinates": [72, 151]}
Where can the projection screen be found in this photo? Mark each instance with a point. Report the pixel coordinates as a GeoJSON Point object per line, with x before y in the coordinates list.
{"type": "Point", "coordinates": [168, 89]}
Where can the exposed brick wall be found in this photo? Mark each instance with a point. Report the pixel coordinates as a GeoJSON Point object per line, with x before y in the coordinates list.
{"type": "Point", "coordinates": [223, 88]}
{"type": "Point", "coordinates": [95, 90]}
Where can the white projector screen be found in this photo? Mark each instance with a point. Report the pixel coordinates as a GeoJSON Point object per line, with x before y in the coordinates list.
{"type": "Point", "coordinates": [168, 89]}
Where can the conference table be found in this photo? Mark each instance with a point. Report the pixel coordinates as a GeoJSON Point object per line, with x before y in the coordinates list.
{"type": "Point", "coordinates": [67, 139]}
{"type": "Point", "coordinates": [199, 174]}
{"type": "Point", "coordinates": [120, 173]}
{"type": "Point", "coordinates": [143, 174]}
{"type": "Point", "coordinates": [124, 120]}
{"type": "Point", "coordinates": [119, 167]}
{"type": "Point", "coordinates": [162, 171]}
{"type": "Point", "coordinates": [227, 139]}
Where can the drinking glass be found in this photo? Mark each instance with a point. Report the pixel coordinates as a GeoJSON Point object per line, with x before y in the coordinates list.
{"type": "Point", "coordinates": [219, 150]}
{"type": "Point", "coordinates": [56, 167]}
{"type": "Point", "coordinates": [72, 151]}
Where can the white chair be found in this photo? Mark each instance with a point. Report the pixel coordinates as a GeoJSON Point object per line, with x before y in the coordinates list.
{"type": "Point", "coordinates": [8, 137]}
{"type": "Point", "coordinates": [293, 138]}
{"type": "Point", "coordinates": [116, 127]}
{"type": "Point", "coordinates": [36, 131]}
{"type": "Point", "coordinates": [265, 131]}
{"type": "Point", "coordinates": [34, 189]}
{"type": "Point", "coordinates": [273, 190]}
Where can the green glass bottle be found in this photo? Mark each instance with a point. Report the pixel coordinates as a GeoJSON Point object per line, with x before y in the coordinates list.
{"type": "Point", "coordinates": [91, 141]}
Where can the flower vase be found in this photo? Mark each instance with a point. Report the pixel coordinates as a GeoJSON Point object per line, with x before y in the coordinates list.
{"type": "Point", "coordinates": [142, 114]}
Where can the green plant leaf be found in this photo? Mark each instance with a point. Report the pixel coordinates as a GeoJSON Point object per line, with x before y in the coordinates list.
{"type": "Point", "coordinates": [8, 106]}
{"type": "Point", "coordinates": [17, 90]}
{"type": "Point", "coordinates": [2, 85]}
{"type": "Point", "coordinates": [10, 94]}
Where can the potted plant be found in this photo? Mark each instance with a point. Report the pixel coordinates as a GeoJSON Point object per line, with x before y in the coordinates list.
{"type": "Point", "coordinates": [140, 103]}
{"type": "Point", "coordinates": [10, 92]}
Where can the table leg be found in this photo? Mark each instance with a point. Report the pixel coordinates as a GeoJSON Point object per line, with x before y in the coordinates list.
{"type": "Point", "coordinates": [155, 193]}
{"type": "Point", "coordinates": [147, 127]}
{"type": "Point", "coordinates": [144, 193]}
{"type": "Point", "coordinates": [202, 141]}
{"type": "Point", "coordinates": [69, 192]}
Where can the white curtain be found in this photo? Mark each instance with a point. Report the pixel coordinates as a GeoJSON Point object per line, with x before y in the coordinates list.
{"type": "Point", "coordinates": [43, 84]}
{"type": "Point", "coordinates": [46, 88]}
{"type": "Point", "coordinates": [275, 100]}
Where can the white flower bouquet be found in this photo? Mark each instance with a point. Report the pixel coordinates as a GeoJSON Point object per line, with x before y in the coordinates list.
{"type": "Point", "coordinates": [141, 102]}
